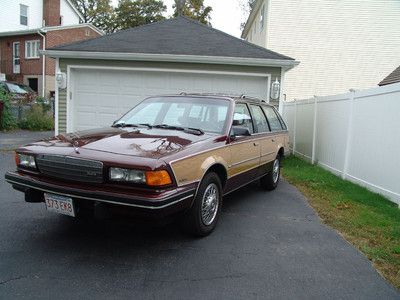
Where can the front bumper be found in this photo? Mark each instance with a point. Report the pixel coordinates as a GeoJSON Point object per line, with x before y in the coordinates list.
{"type": "Point", "coordinates": [171, 201]}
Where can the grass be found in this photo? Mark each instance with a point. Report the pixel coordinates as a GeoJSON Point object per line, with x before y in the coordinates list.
{"type": "Point", "coordinates": [367, 220]}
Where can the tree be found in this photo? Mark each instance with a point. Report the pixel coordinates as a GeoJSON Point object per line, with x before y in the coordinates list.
{"type": "Point", "coordinates": [193, 9]}
{"type": "Point", "coordinates": [131, 13]}
{"type": "Point", "coordinates": [98, 12]}
{"type": "Point", "coordinates": [246, 6]}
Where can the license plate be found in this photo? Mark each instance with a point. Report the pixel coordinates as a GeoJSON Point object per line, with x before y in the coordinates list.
{"type": "Point", "coordinates": [59, 204]}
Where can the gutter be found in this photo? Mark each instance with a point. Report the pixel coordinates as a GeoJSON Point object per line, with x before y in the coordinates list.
{"type": "Point", "coordinates": [43, 62]}
{"type": "Point", "coordinates": [222, 60]}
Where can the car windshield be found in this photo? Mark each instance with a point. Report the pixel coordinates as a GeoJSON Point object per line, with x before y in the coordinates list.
{"type": "Point", "coordinates": [198, 113]}
{"type": "Point", "coordinates": [18, 88]}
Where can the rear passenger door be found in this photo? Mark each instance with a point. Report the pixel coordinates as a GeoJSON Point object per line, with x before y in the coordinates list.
{"type": "Point", "coordinates": [278, 130]}
{"type": "Point", "coordinates": [264, 138]}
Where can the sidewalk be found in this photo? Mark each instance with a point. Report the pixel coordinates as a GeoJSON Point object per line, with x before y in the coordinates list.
{"type": "Point", "coordinates": [13, 139]}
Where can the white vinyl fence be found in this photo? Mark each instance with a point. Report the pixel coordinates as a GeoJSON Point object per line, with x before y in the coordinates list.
{"type": "Point", "coordinates": [355, 135]}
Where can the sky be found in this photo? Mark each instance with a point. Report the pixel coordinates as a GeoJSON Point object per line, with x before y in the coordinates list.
{"type": "Point", "coordinates": [226, 15]}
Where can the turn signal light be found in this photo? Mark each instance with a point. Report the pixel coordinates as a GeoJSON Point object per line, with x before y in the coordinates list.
{"type": "Point", "coordinates": [158, 178]}
{"type": "Point", "coordinates": [17, 161]}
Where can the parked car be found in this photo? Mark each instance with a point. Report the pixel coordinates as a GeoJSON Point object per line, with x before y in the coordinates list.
{"type": "Point", "coordinates": [169, 155]}
{"type": "Point", "coordinates": [19, 92]}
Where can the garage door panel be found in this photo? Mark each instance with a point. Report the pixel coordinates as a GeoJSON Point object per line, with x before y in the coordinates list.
{"type": "Point", "coordinates": [102, 96]}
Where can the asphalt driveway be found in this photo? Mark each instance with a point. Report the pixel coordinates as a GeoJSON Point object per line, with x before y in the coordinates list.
{"type": "Point", "coordinates": [267, 245]}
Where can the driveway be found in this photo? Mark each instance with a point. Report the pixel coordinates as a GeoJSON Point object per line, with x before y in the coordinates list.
{"type": "Point", "coordinates": [267, 245]}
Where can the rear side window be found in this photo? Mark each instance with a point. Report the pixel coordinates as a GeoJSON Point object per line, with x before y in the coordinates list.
{"type": "Point", "coordinates": [273, 119]}
{"type": "Point", "coordinates": [242, 117]}
{"type": "Point", "coordinates": [259, 119]}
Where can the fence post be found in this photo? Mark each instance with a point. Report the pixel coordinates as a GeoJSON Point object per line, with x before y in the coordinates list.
{"type": "Point", "coordinates": [314, 139]}
{"type": "Point", "coordinates": [294, 126]}
{"type": "Point", "coordinates": [348, 138]}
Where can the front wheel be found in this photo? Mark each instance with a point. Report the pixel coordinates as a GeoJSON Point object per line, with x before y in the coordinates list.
{"type": "Point", "coordinates": [202, 217]}
{"type": "Point", "coordinates": [270, 181]}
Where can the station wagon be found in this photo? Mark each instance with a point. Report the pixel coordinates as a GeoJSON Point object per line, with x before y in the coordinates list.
{"type": "Point", "coordinates": [168, 156]}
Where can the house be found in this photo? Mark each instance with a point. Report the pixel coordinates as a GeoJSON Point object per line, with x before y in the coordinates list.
{"type": "Point", "coordinates": [393, 77]}
{"type": "Point", "coordinates": [30, 25]}
{"type": "Point", "coordinates": [341, 44]}
{"type": "Point", "coordinates": [101, 79]}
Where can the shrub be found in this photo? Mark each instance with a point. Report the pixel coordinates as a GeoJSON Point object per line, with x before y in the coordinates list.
{"type": "Point", "coordinates": [44, 103]}
{"type": "Point", "coordinates": [37, 119]}
{"type": "Point", "coordinates": [7, 120]}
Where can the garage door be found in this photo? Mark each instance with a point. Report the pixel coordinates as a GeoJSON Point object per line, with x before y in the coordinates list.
{"type": "Point", "coordinates": [101, 96]}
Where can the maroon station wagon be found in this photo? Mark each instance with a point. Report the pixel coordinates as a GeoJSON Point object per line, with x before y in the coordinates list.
{"type": "Point", "coordinates": [168, 156]}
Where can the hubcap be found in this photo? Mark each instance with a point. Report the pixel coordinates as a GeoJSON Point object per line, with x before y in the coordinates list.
{"type": "Point", "coordinates": [209, 204]}
{"type": "Point", "coordinates": [275, 171]}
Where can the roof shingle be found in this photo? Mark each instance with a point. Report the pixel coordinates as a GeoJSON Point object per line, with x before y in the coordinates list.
{"type": "Point", "coordinates": [178, 36]}
{"type": "Point", "coordinates": [393, 77]}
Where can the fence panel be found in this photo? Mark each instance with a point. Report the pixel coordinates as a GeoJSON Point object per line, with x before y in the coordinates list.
{"type": "Point", "coordinates": [357, 135]}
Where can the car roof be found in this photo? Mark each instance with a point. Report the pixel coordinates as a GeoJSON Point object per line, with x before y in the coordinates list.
{"type": "Point", "coordinates": [236, 98]}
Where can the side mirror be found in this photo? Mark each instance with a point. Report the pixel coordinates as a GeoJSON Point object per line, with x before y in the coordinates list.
{"type": "Point", "coordinates": [239, 131]}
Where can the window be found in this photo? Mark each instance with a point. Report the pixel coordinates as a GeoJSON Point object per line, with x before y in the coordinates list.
{"type": "Point", "coordinates": [272, 117]}
{"type": "Point", "coordinates": [32, 49]}
{"type": "Point", "coordinates": [23, 14]}
{"type": "Point", "coordinates": [255, 28]}
{"type": "Point", "coordinates": [241, 117]}
{"type": "Point", "coordinates": [207, 114]}
{"type": "Point", "coordinates": [259, 119]}
{"type": "Point", "coordinates": [262, 17]}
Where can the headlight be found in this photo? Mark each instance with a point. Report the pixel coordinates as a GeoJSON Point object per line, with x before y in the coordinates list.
{"type": "Point", "coordinates": [151, 178]}
{"type": "Point", "coordinates": [135, 176]}
{"type": "Point", "coordinates": [24, 160]}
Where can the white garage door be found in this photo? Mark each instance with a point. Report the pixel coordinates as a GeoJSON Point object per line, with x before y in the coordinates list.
{"type": "Point", "coordinates": [100, 96]}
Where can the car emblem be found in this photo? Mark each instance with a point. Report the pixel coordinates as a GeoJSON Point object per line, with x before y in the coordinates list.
{"type": "Point", "coordinates": [76, 147]}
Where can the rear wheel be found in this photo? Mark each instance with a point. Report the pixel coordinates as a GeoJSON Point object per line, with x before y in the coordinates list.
{"type": "Point", "coordinates": [270, 181]}
{"type": "Point", "coordinates": [202, 217]}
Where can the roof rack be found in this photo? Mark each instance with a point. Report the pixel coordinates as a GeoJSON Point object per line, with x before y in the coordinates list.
{"type": "Point", "coordinates": [237, 96]}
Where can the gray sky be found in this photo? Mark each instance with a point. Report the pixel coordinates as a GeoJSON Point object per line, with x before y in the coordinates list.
{"type": "Point", "coordinates": [226, 15]}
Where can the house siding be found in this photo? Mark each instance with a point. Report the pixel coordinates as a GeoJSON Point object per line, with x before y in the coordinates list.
{"type": "Point", "coordinates": [63, 65]}
{"type": "Point", "coordinates": [340, 44]}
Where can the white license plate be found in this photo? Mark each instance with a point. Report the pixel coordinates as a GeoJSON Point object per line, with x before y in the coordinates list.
{"type": "Point", "coordinates": [59, 204]}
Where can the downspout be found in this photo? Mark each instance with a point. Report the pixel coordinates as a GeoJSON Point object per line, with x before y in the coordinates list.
{"type": "Point", "coordinates": [43, 63]}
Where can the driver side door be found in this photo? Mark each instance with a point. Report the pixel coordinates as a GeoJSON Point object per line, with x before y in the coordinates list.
{"type": "Point", "coordinates": [245, 151]}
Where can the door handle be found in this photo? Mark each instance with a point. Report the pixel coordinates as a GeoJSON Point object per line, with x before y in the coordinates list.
{"type": "Point", "coordinates": [255, 144]}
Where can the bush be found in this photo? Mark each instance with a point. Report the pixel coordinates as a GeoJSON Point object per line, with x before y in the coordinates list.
{"type": "Point", "coordinates": [46, 106]}
{"type": "Point", "coordinates": [37, 119]}
{"type": "Point", "coordinates": [7, 120]}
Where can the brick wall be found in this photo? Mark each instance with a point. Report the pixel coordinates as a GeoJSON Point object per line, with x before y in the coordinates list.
{"type": "Point", "coordinates": [66, 36]}
{"type": "Point", "coordinates": [31, 66]}
{"type": "Point", "coordinates": [51, 12]}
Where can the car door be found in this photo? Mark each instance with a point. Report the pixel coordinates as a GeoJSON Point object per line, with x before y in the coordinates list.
{"type": "Point", "coordinates": [264, 137]}
{"type": "Point", "coordinates": [245, 150]}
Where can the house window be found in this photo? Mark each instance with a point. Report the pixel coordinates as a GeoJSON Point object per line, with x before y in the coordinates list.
{"type": "Point", "coordinates": [32, 49]}
{"type": "Point", "coordinates": [255, 28]}
{"type": "Point", "coordinates": [262, 17]}
{"type": "Point", "coordinates": [23, 14]}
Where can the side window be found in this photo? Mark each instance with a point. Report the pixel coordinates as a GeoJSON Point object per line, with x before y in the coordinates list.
{"type": "Point", "coordinates": [241, 117]}
{"type": "Point", "coordinates": [260, 121]}
{"type": "Point", "coordinates": [284, 127]}
{"type": "Point", "coordinates": [273, 120]}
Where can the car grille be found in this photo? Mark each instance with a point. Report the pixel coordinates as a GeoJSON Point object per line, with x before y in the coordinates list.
{"type": "Point", "coordinates": [70, 168]}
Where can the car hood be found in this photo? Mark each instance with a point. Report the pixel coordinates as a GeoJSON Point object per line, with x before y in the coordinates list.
{"type": "Point", "coordinates": [142, 142]}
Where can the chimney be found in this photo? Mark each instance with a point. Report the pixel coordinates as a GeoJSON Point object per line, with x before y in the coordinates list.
{"type": "Point", "coordinates": [51, 12]}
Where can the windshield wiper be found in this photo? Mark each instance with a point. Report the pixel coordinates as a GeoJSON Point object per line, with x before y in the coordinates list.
{"type": "Point", "coordinates": [186, 129]}
{"type": "Point", "coordinates": [123, 125]}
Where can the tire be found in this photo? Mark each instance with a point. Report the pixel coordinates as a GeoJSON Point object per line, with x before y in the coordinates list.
{"type": "Point", "coordinates": [201, 219]}
{"type": "Point", "coordinates": [270, 181]}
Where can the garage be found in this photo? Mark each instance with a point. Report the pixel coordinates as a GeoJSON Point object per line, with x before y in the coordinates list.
{"type": "Point", "coordinates": [92, 106]}
{"type": "Point", "coordinates": [101, 79]}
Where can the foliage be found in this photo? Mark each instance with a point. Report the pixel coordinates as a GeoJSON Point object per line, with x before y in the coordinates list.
{"type": "Point", "coordinates": [193, 9]}
{"type": "Point", "coordinates": [98, 12]}
{"type": "Point", "coordinates": [7, 120]}
{"type": "Point", "coordinates": [46, 106]}
{"type": "Point", "coordinates": [246, 6]}
{"type": "Point", "coordinates": [37, 119]}
{"type": "Point", "coordinates": [366, 219]}
{"type": "Point", "coordinates": [131, 13]}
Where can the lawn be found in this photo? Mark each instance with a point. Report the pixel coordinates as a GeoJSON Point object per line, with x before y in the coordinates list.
{"type": "Point", "coordinates": [367, 220]}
